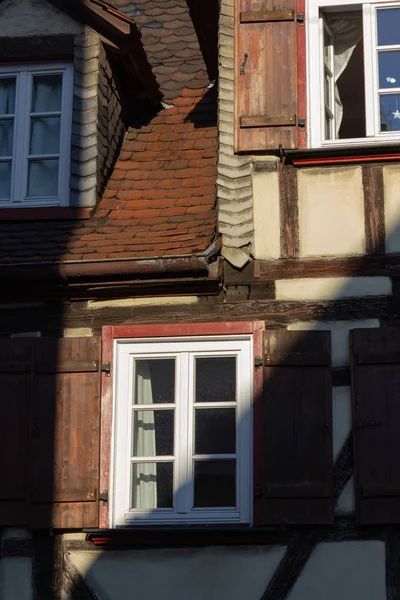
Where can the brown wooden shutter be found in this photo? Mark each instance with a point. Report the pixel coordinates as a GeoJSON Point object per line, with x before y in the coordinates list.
{"type": "Point", "coordinates": [296, 437]}
{"type": "Point", "coordinates": [15, 406]}
{"type": "Point", "coordinates": [266, 112]}
{"type": "Point", "coordinates": [376, 411]}
{"type": "Point", "coordinates": [66, 428]}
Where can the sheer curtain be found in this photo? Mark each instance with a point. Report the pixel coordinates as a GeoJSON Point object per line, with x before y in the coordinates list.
{"type": "Point", "coordinates": [347, 32]}
{"type": "Point", "coordinates": [144, 442]}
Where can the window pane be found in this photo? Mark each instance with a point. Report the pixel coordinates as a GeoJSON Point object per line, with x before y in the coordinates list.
{"type": "Point", "coordinates": [214, 483]}
{"type": "Point", "coordinates": [388, 26]}
{"type": "Point", "coordinates": [5, 180]}
{"type": "Point", "coordinates": [390, 112]}
{"type": "Point", "coordinates": [153, 433]}
{"type": "Point", "coordinates": [6, 137]}
{"type": "Point", "coordinates": [46, 93]}
{"type": "Point", "coordinates": [389, 69]}
{"type": "Point", "coordinates": [215, 431]}
{"type": "Point", "coordinates": [7, 96]}
{"type": "Point", "coordinates": [151, 485]}
{"type": "Point", "coordinates": [43, 178]}
{"type": "Point", "coordinates": [45, 135]}
{"type": "Point", "coordinates": [216, 379]}
{"type": "Point", "coordinates": [154, 381]}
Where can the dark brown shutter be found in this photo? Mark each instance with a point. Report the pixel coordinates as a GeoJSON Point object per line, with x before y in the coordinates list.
{"type": "Point", "coordinates": [376, 407]}
{"type": "Point", "coordinates": [15, 406]}
{"type": "Point", "coordinates": [265, 75]}
{"type": "Point", "coordinates": [66, 427]}
{"type": "Point", "coordinates": [297, 464]}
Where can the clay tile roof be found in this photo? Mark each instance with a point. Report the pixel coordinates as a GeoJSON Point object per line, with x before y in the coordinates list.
{"type": "Point", "coordinates": [170, 42]}
{"type": "Point", "coordinates": [160, 200]}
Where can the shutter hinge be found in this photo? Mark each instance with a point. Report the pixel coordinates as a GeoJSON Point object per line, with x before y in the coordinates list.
{"type": "Point", "coordinates": [258, 362]}
{"type": "Point", "coordinates": [300, 18]}
{"type": "Point", "coordinates": [106, 368]}
{"type": "Point", "coordinates": [104, 497]}
{"type": "Point", "coordinates": [258, 493]}
{"type": "Point", "coordinates": [301, 122]}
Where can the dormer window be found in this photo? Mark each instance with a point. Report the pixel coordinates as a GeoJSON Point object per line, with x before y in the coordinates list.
{"type": "Point", "coordinates": [35, 134]}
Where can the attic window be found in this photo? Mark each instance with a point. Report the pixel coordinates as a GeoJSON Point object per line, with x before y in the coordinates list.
{"type": "Point", "coordinates": [35, 135]}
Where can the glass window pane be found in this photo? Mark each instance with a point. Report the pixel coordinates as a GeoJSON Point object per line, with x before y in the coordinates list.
{"type": "Point", "coordinates": [215, 431]}
{"type": "Point", "coordinates": [216, 379]}
{"type": "Point", "coordinates": [153, 433]}
{"type": "Point", "coordinates": [46, 93]}
{"type": "Point", "coordinates": [390, 112]}
{"type": "Point", "coordinates": [7, 96]}
{"type": "Point", "coordinates": [214, 483]}
{"type": "Point", "coordinates": [45, 135]}
{"type": "Point", "coordinates": [5, 180]}
{"type": "Point", "coordinates": [151, 485]}
{"type": "Point", "coordinates": [154, 381]}
{"type": "Point", "coordinates": [6, 137]}
{"type": "Point", "coordinates": [43, 178]}
{"type": "Point", "coordinates": [388, 26]}
{"type": "Point", "coordinates": [389, 69]}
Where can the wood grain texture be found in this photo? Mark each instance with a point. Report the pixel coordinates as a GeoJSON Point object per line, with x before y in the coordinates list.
{"type": "Point", "coordinates": [297, 430]}
{"type": "Point", "coordinates": [289, 212]}
{"type": "Point", "coordinates": [354, 266]}
{"type": "Point", "coordinates": [374, 209]}
{"type": "Point", "coordinates": [265, 53]}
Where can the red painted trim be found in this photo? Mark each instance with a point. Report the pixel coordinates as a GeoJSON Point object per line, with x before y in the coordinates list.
{"type": "Point", "coordinates": [53, 213]}
{"type": "Point", "coordinates": [310, 162]}
{"type": "Point", "coordinates": [258, 348]}
{"type": "Point", "coordinates": [183, 329]}
{"type": "Point", "coordinates": [106, 423]}
{"type": "Point", "coordinates": [110, 333]}
{"type": "Point", "coordinates": [301, 73]}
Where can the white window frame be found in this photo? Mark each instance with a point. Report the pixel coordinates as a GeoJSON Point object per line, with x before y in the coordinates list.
{"type": "Point", "coordinates": [19, 173]}
{"type": "Point", "coordinates": [315, 90]}
{"type": "Point", "coordinates": [184, 349]}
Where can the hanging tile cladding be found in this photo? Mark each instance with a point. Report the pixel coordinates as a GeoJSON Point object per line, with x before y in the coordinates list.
{"type": "Point", "coordinates": [159, 201]}
{"type": "Point", "coordinates": [84, 149]}
{"type": "Point", "coordinates": [170, 42]}
{"type": "Point", "coordinates": [110, 124]}
{"type": "Point", "coordinates": [235, 196]}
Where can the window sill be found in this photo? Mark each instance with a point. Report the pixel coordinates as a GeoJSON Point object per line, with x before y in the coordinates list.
{"type": "Point", "coordinates": [343, 155]}
{"type": "Point", "coordinates": [51, 213]}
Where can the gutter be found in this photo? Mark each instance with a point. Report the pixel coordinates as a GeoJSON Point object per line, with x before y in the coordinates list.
{"type": "Point", "coordinates": [76, 270]}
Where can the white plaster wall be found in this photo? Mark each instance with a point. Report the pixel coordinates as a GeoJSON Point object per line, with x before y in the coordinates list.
{"type": "Point", "coordinates": [343, 571]}
{"type": "Point", "coordinates": [20, 18]}
{"type": "Point", "coordinates": [266, 215]}
{"type": "Point", "coordinates": [331, 288]}
{"type": "Point", "coordinates": [391, 181]}
{"type": "Point", "coordinates": [219, 573]}
{"type": "Point", "coordinates": [331, 211]}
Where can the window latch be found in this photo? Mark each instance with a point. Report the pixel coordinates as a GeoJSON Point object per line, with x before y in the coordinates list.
{"type": "Point", "coordinates": [243, 65]}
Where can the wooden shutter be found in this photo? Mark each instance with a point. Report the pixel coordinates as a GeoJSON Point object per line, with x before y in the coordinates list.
{"type": "Point", "coordinates": [266, 108]}
{"type": "Point", "coordinates": [66, 428]}
{"type": "Point", "coordinates": [296, 436]}
{"type": "Point", "coordinates": [376, 411]}
{"type": "Point", "coordinates": [15, 407]}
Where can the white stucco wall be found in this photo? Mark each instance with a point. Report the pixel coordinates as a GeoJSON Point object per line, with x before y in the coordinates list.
{"type": "Point", "coordinates": [219, 573]}
{"type": "Point", "coordinates": [391, 181]}
{"type": "Point", "coordinates": [331, 288]}
{"type": "Point", "coordinates": [331, 211]}
{"type": "Point", "coordinates": [266, 215]}
{"type": "Point", "coordinates": [20, 18]}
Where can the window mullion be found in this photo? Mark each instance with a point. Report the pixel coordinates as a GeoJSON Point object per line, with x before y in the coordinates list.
{"type": "Point", "coordinates": [181, 492]}
{"type": "Point", "coordinates": [370, 71]}
{"type": "Point", "coordinates": [19, 137]}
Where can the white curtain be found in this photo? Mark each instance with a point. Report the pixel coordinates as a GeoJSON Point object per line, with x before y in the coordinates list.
{"type": "Point", "coordinates": [144, 486]}
{"type": "Point", "coordinates": [347, 32]}
{"type": "Point", "coordinates": [46, 93]}
{"type": "Point", "coordinates": [7, 96]}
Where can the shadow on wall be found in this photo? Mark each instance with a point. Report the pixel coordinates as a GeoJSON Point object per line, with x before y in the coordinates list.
{"type": "Point", "coordinates": [303, 568]}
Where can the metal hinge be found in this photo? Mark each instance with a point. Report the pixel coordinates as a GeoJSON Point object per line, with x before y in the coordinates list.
{"type": "Point", "coordinates": [258, 493]}
{"type": "Point", "coordinates": [300, 18]}
{"type": "Point", "coordinates": [301, 121]}
{"type": "Point", "coordinates": [258, 362]}
{"type": "Point", "coordinates": [106, 368]}
{"type": "Point", "coordinates": [104, 497]}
